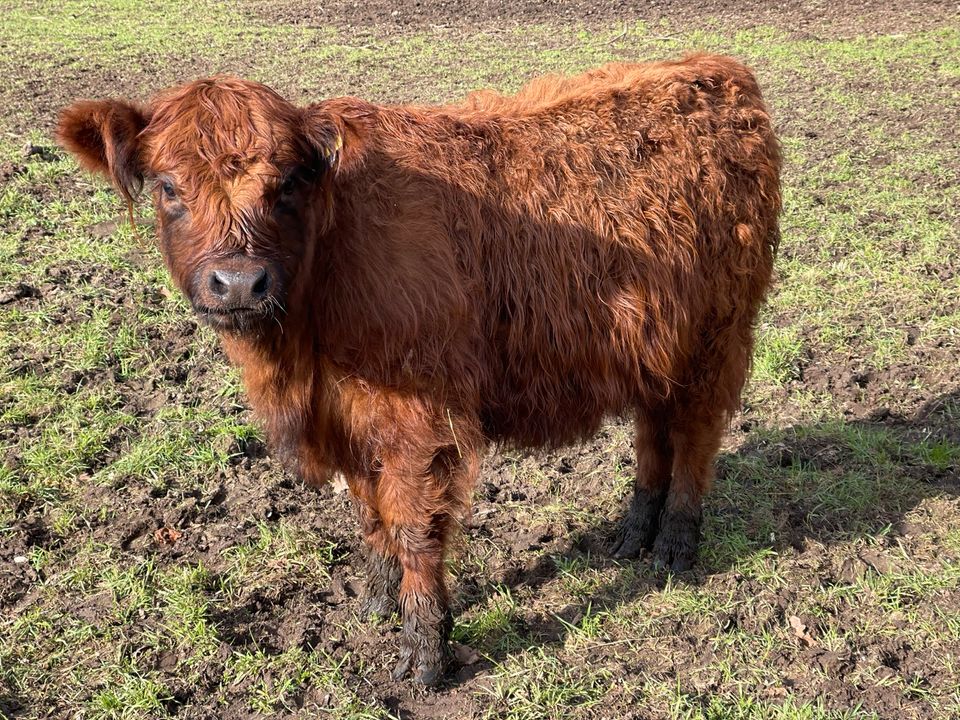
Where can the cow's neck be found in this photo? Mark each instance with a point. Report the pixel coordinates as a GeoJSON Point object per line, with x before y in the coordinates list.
{"type": "Point", "coordinates": [280, 373]}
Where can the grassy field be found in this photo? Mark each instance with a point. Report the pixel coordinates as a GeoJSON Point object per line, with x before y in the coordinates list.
{"type": "Point", "coordinates": [155, 562]}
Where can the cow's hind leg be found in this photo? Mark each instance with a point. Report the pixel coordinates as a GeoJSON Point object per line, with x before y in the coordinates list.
{"type": "Point", "coordinates": [654, 459]}
{"type": "Point", "coordinates": [695, 438]}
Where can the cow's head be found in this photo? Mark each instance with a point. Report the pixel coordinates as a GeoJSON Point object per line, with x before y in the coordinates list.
{"type": "Point", "coordinates": [238, 177]}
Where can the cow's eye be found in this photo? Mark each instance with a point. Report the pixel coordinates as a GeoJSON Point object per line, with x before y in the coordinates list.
{"type": "Point", "coordinates": [168, 190]}
{"type": "Point", "coordinates": [288, 187]}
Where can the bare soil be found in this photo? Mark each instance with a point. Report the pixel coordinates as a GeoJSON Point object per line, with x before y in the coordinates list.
{"type": "Point", "coordinates": [801, 16]}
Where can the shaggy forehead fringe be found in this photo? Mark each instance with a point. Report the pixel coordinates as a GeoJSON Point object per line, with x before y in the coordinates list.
{"type": "Point", "coordinates": [223, 126]}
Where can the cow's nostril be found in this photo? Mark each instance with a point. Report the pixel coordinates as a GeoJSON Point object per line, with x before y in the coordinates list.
{"type": "Point", "coordinates": [219, 285]}
{"type": "Point", "coordinates": [261, 283]}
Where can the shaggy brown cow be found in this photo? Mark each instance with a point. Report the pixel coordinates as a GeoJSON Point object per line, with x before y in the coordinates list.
{"type": "Point", "coordinates": [403, 286]}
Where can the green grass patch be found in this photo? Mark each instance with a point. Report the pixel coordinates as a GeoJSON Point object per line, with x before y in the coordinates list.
{"type": "Point", "coordinates": [536, 685]}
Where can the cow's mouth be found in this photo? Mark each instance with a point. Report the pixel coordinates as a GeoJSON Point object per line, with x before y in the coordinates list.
{"type": "Point", "coordinates": [238, 320]}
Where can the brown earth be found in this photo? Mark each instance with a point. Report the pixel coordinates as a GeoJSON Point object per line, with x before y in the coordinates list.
{"type": "Point", "coordinates": [802, 16]}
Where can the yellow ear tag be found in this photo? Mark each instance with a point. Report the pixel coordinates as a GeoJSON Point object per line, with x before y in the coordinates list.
{"type": "Point", "coordinates": [337, 147]}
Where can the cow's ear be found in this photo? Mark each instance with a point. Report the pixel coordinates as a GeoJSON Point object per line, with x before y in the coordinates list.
{"type": "Point", "coordinates": [325, 135]}
{"type": "Point", "coordinates": [104, 137]}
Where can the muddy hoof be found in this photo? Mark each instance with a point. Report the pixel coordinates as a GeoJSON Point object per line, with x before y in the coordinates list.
{"type": "Point", "coordinates": [402, 667]}
{"type": "Point", "coordinates": [428, 675]}
{"type": "Point", "coordinates": [639, 527]}
{"type": "Point", "coordinates": [675, 548]}
{"type": "Point", "coordinates": [424, 650]}
{"type": "Point", "coordinates": [426, 671]}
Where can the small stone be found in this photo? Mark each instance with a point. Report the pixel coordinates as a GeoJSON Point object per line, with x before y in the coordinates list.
{"type": "Point", "coordinates": [166, 536]}
{"type": "Point", "coordinates": [20, 559]}
{"type": "Point", "coordinates": [339, 482]}
{"type": "Point", "coordinates": [45, 153]}
{"type": "Point", "coordinates": [851, 570]}
{"type": "Point", "coordinates": [464, 654]}
{"type": "Point", "coordinates": [103, 229]}
{"type": "Point", "coordinates": [880, 563]}
{"type": "Point", "coordinates": [800, 630]}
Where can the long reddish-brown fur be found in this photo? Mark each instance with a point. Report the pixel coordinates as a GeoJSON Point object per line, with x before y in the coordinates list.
{"type": "Point", "coordinates": [508, 270]}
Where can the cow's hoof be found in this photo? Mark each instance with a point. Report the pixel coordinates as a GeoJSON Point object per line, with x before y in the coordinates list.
{"type": "Point", "coordinates": [639, 528]}
{"type": "Point", "coordinates": [424, 650]}
{"type": "Point", "coordinates": [427, 671]}
{"type": "Point", "coordinates": [675, 548]}
{"type": "Point", "coordinates": [402, 667]}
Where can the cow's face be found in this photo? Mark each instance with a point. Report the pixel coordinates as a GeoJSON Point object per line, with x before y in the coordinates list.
{"type": "Point", "coordinates": [239, 179]}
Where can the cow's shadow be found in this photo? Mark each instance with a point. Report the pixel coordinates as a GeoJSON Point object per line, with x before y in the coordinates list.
{"type": "Point", "coordinates": [777, 493]}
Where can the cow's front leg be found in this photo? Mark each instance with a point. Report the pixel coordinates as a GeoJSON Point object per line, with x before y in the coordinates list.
{"type": "Point", "coordinates": [383, 584]}
{"type": "Point", "coordinates": [695, 436]}
{"type": "Point", "coordinates": [424, 605]}
{"type": "Point", "coordinates": [654, 457]}
{"type": "Point", "coordinates": [383, 566]}
{"type": "Point", "coordinates": [421, 496]}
